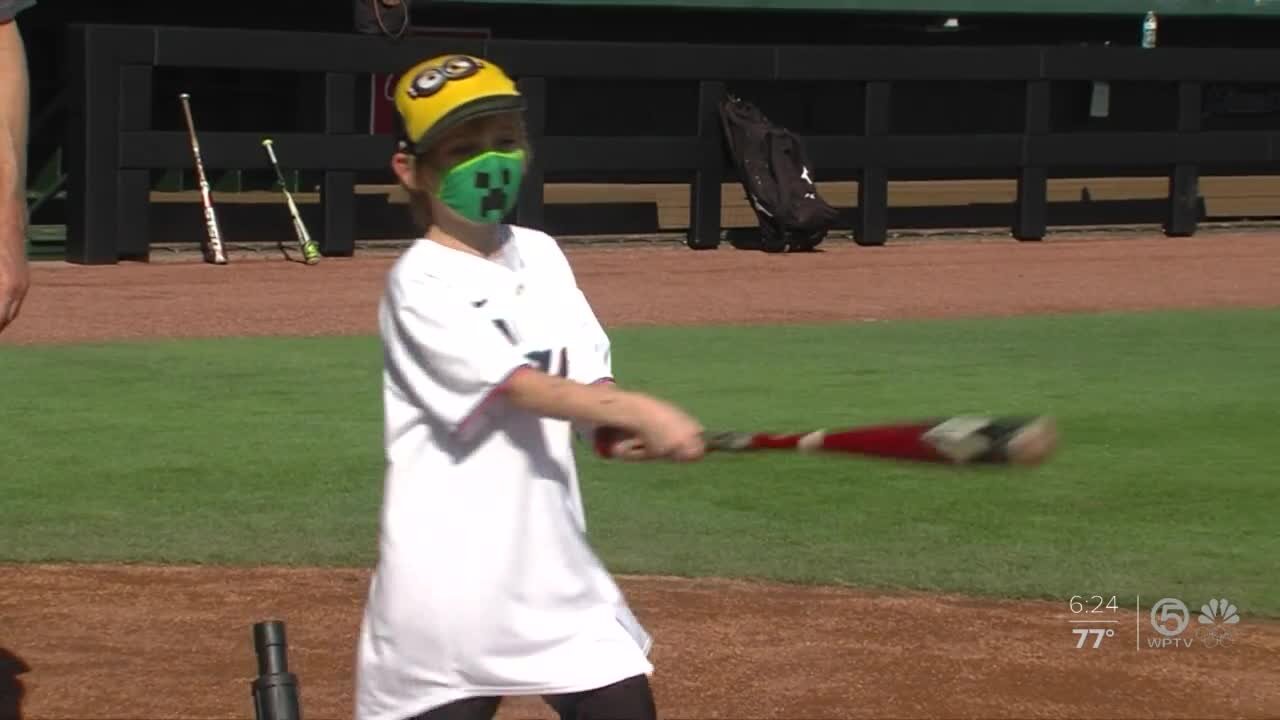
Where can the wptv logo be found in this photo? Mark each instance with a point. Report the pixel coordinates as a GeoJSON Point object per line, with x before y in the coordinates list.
{"type": "Point", "coordinates": [1215, 624]}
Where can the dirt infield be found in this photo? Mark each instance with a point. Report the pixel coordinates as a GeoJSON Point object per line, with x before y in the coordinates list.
{"type": "Point", "coordinates": [152, 643]}
{"type": "Point", "coordinates": [640, 285]}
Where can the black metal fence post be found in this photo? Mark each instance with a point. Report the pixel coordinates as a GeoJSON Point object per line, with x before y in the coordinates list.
{"type": "Point", "coordinates": [531, 208]}
{"type": "Point", "coordinates": [1184, 182]}
{"type": "Point", "coordinates": [705, 192]}
{"type": "Point", "coordinates": [873, 184]}
{"type": "Point", "coordinates": [98, 55]}
{"type": "Point", "coordinates": [338, 191]}
{"type": "Point", "coordinates": [1033, 178]}
{"type": "Point", "coordinates": [133, 185]}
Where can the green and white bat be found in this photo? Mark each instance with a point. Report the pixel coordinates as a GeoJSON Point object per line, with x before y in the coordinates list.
{"type": "Point", "coordinates": [310, 251]}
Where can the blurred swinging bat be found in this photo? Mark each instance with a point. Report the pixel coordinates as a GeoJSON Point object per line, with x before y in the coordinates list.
{"type": "Point", "coordinates": [957, 440]}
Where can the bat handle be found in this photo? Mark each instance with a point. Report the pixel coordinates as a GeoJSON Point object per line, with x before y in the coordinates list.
{"type": "Point", "coordinates": [727, 440]}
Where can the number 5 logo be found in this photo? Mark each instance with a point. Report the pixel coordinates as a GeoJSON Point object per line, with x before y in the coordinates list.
{"type": "Point", "coordinates": [1167, 609]}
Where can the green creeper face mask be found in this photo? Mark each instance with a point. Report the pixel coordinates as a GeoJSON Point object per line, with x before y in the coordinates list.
{"type": "Point", "coordinates": [485, 188]}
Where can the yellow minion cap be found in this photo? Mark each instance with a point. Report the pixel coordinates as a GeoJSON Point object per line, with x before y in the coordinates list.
{"type": "Point", "coordinates": [444, 91]}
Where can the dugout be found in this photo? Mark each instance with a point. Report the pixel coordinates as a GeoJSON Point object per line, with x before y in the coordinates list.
{"type": "Point", "coordinates": [1231, 113]}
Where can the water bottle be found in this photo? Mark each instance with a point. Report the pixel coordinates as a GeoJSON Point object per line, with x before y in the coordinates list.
{"type": "Point", "coordinates": [1149, 27]}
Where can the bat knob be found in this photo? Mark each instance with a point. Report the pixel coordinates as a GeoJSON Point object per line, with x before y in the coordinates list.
{"type": "Point", "coordinates": [1034, 443]}
{"type": "Point", "coordinates": [266, 141]}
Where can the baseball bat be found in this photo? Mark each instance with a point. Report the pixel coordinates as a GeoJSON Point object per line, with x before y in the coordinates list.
{"type": "Point", "coordinates": [214, 251]}
{"type": "Point", "coordinates": [956, 440]}
{"type": "Point", "coordinates": [310, 251]}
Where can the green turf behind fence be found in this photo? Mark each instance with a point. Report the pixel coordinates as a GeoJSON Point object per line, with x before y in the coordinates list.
{"type": "Point", "coordinates": [268, 451]}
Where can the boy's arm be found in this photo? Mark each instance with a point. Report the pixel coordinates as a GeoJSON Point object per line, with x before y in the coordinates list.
{"type": "Point", "coordinates": [591, 363]}
{"type": "Point", "coordinates": [600, 437]}
{"type": "Point", "coordinates": [634, 425]}
{"type": "Point", "coordinates": [593, 405]}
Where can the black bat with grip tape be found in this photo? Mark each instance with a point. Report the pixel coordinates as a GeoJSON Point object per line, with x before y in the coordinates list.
{"type": "Point", "coordinates": [214, 250]}
{"type": "Point", "coordinates": [956, 440]}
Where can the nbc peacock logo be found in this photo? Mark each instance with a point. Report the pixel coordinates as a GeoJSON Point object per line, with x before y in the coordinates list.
{"type": "Point", "coordinates": [1216, 619]}
{"type": "Point", "coordinates": [1215, 625]}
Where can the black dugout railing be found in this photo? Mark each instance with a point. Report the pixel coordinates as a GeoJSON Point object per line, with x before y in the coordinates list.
{"type": "Point", "coordinates": [112, 148]}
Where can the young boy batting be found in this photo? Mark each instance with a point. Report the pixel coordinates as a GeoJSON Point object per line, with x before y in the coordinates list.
{"type": "Point", "coordinates": [485, 585]}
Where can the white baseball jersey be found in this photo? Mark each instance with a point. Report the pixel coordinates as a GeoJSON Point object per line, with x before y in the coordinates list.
{"type": "Point", "coordinates": [485, 583]}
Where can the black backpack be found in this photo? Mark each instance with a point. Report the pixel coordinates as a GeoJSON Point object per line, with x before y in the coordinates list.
{"type": "Point", "coordinates": [778, 180]}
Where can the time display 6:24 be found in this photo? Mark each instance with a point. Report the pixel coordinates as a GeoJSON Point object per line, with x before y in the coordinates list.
{"type": "Point", "coordinates": [1093, 604]}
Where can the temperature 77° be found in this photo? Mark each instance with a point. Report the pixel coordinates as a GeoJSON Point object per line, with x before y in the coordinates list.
{"type": "Point", "coordinates": [1097, 633]}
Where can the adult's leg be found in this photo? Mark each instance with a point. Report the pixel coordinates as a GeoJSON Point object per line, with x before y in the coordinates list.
{"type": "Point", "coordinates": [476, 708]}
{"type": "Point", "coordinates": [630, 699]}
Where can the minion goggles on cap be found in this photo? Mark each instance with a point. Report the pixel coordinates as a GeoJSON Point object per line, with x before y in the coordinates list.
{"type": "Point", "coordinates": [446, 91]}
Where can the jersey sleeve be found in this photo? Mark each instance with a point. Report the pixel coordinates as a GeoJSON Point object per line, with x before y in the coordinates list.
{"type": "Point", "coordinates": [591, 360]}
{"type": "Point", "coordinates": [589, 351]}
{"type": "Point", "coordinates": [446, 357]}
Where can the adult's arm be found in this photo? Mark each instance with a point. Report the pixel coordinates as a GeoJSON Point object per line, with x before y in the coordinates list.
{"type": "Point", "coordinates": [14, 102]}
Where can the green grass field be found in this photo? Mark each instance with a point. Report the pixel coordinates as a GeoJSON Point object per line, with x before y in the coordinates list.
{"type": "Point", "coordinates": [254, 451]}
